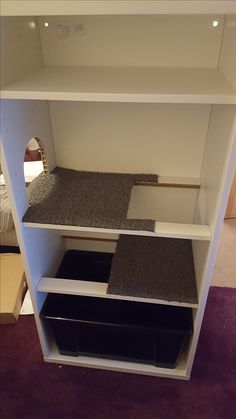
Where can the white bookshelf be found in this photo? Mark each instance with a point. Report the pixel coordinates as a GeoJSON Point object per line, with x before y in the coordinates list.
{"type": "Point", "coordinates": [160, 99]}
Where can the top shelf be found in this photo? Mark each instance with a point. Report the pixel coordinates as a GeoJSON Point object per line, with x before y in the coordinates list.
{"type": "Point", "coordinates": [124, 84]}
{"type": "Point", "coordinates": [114, 7]}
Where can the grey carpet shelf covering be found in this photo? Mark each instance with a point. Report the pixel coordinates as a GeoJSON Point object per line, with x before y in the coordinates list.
{"type": "Point", "coordinates": [86, 199]}
{"type": "Point", "coordinates": [154, 267]}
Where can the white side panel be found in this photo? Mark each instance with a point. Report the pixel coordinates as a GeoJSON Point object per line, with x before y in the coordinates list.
{"type": "Point", "coordinates": [167, 139]}
{"type": "Point", "coordinates": [216, 179]}
{"type": "Point", "coordinates": [200, 255]}
{"type": "Point", "coordinates": [217, 175]}
{"type": "Point", "coordinates": [227, 62]}
{"type": "Point", "coordinates": [20, 48]}
{"type": "Point", "coordinates": [22, 120]}
{"type": "Point", "coordinates": [220, 141]}
{"type": "Point", "coordinates": [155, 40]}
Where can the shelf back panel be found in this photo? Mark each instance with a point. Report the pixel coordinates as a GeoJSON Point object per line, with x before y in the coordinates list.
{"type": "Point", "coordinates": [166, 139]}
{"type": "Point", "coordinates": [151, 41]}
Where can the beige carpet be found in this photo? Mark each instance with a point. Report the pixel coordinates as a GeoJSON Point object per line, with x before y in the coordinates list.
{"type": "Point", "coordinates": [224, 274]}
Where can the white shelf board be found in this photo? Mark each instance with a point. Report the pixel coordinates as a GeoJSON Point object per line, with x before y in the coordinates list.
{"type": "Point", "coordinates": [174, 230]}
{"type": "Point", "coordinates": [96, 289]}
{"type": "Point", "coordinates": [101, 7]}
{"type": "Point", "coordinates": [183, 231]}
{"type": "Point", "coordinates": [121, 366]}
{"type": "Point", "coordinates": [124, 84]}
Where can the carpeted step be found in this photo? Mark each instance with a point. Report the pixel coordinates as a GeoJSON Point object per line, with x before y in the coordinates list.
{"type": "Point", "coordinates": [86, 199]}
{"type": "Point", "coordinates": [154, 267]}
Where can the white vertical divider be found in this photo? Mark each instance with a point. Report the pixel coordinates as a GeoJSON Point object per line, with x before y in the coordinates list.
{"type": "Point", "coordinates": [22, 120]}
{"type": "Point", "coordinates": [217, 174]}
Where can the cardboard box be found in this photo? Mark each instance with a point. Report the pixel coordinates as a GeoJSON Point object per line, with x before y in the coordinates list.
{"type": "Point", "coordinates": [12, 287]}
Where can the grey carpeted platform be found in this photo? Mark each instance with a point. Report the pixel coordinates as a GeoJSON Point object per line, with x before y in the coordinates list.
{"type": "Point", "coordinates": [86, 199]}
{"type": "Point", "coordinates": [154, 267]}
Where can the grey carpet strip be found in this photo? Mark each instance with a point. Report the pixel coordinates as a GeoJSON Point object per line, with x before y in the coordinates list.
{"type": "Point", "coordinates": [86, 199]}
{"type": "Point", "coordinates": [154, 267]}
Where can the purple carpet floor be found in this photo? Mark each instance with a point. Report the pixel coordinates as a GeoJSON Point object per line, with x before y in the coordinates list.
{"type": "Point", "coordinates": [32, 389]}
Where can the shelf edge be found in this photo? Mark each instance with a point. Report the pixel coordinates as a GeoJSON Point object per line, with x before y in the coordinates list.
{"type": "Point", "coordinates": [115, 365]}
{"type": "Point", "coordinates": [162, 229]}
{"type": "Point", "coordinates": [96, 289]}
{"type": "Point", "coordinates": [113, 7]}
{"type": "Point", "coordinates": [121, 97]}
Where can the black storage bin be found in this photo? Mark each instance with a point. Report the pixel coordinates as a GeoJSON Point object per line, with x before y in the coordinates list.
{"type": "Point", "coordinates": [84, 265]}
{"type": "Point", "coordinates": [109, 328]}
{"type": "Point", "coordinates": [125, 330]}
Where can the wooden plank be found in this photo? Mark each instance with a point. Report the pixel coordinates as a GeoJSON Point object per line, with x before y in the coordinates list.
{"type": "Point", "coordinates": [167, 185]}
{"type": "Point", "coordinates": [96, 239]}
{"type": "Point", "coordinates": [96, 289]}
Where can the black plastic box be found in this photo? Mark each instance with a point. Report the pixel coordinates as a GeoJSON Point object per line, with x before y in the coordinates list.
{"type": "Point", "coordinates": [116, 329]}
{"type": "Point", "coordinates": [84, 265]}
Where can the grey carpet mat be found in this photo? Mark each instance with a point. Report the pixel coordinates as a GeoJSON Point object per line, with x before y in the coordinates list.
{"type": "Point", "coordinates": [154, 267]}
{"type": "Point", "coordinates": [86, 199]}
